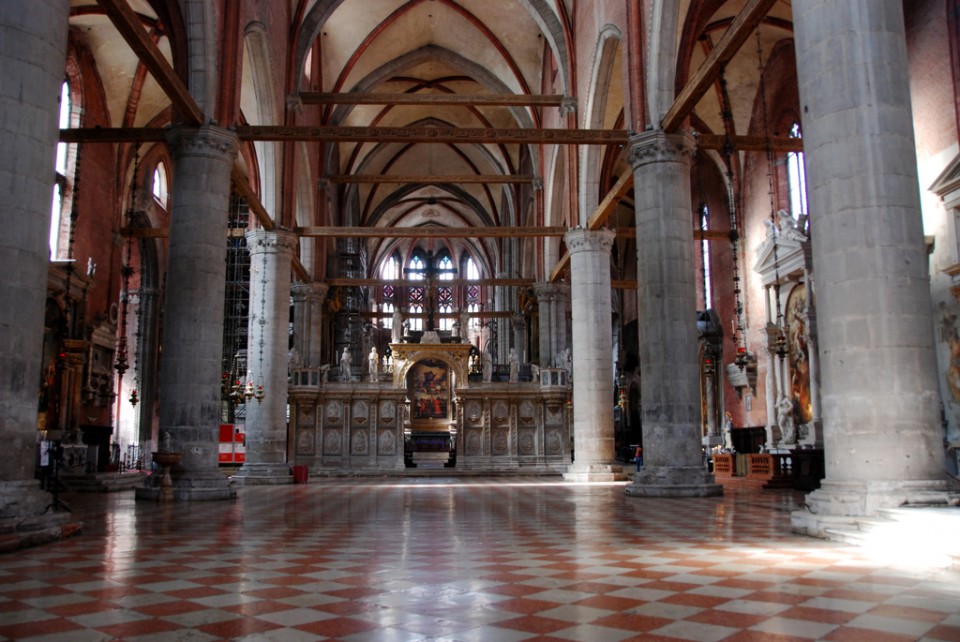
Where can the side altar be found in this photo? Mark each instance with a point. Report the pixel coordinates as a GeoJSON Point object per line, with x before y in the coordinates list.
{"type": "Point", "coordinates": [427, 412]}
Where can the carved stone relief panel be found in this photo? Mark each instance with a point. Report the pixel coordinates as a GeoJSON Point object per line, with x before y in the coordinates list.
{"type": "Point", "coordinates": [527, 441]}
{"type": "Point", "coordinates": [501, 413]}
{"type": "Point", "coordinates": [554, 442]}
{"type": "Point", "coordinates": [334, 412]}
{"type": "Point", "coordinates": [473, 412]}
{"type": "Point", "coordinates": [554, 415]}
{"type": "Point", "coordinates": [388, 412]}
{"type": "Point", "coordinates": [387, 442]}
{"type": "Point", "coordinates": [359, 443]}
{"type": "Point", "coordinates": [305, 439]}
{"type": "Point", "coordinates": [474, 442]}
{"type": "Point", "coordinates": [332, 442]}
{"type": "Point", "coordinates": [500, 443]}
{"type": "Point", "coordinates": [361, 412]}
{"type": "Point", "coordinates": [528, 412]}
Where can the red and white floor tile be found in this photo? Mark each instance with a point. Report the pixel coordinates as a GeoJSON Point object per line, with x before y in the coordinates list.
{"type": "Point", "coordinates": [470, 560]}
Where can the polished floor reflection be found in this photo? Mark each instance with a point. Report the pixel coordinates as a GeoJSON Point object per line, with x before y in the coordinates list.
{"type": "Point", "coordinates": [493, 560]}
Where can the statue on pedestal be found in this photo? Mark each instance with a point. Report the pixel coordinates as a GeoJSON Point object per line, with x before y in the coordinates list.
{"type": "Point", "coordinates": [345, 374]}
{"type": "Point", "coordinates": [514, 365]}
{"type": "Point", "coordinates": [373, 364]}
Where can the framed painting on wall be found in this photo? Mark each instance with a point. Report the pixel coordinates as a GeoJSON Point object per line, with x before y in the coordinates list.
{"type": "Point", "coordinates": [430, 389]}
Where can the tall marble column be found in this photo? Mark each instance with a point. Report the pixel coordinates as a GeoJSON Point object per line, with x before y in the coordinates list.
{"type": "Point", "coordinates": [193, 315]}
{"type": "Point", "coordinates": [883, 442]}
{"type": "Point", "coordinates": [271, 253]}
{"type": "Point", "coordinates": [552, 299]}
{"type": "Point", "coordinates": [667, 320]}
{"type": "Point", "coordinates": [594, 457]}
{"type": "Point", "coordinates": [308, 322]}
{"type": "Point", "coordinates": [32, 57]}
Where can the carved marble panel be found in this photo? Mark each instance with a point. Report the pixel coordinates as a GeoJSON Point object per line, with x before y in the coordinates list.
{"type": "Point", "coordinates": [554, 442]}
{"type": "Point", "coordinates": [528, 412]}
{"type": "Point", "coordinates": [473, 412]}
{"type": "Point", "coordinates": [554, 415]}
{"type": "Point", "coordinates": [359, 443]}
{"type": "Point", "coordinates": [501, 413]}
{"type": "Point", "coordinates": [500, 442]}
{"type": "Point", "coordinates": [334, 412]}
{"type": "Point", "coordinates": [387, 442]}
{"type": "Point", "coordinates": [360, 412]}
{"type": "Point", "coordinates": [305, 439]}
{"type": "Point", "coordinates": [388, 412]}
{"type": "Point", "coordinates": [474, 442]}
{"type": "Point", "coordinates": [332, 444]}
{"type": "Point", "coordinates": [527, 441]}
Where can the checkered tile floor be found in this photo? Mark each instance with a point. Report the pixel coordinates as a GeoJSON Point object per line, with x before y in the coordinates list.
{"type": "Point", "coordinates": [492, 560]}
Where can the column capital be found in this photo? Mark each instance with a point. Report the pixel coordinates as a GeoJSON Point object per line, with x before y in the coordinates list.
{"type": "Point", "coordinates": [547, 291]}
{"type": "Point", "coordinates": [206, 140]}
{"type": "Point", "coordinates": [581, 240]}
{"type": "Point", "coordinates": [657, 146]}
{"type": "Point", "coordinates": [309, 291]}
{"type": "Point", "coordinates": [262, 241]}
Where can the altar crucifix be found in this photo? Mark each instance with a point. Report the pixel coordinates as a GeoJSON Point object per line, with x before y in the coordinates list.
{"type": "Point", "coordinates": [429, 274]}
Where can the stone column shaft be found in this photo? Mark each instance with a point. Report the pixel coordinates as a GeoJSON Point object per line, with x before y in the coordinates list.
{"type": "Point", "coordinates": [33, 46]}
{"type": "Point", "coordinates": [271, 253]}
{"type": "Point", "coordinates": [308, 322]}
{"type": "Point", "coordinates": [667, 300]}
{"type": "Point", "coordinates": [193, 315]}
{"type": "Point", "coordinates": [594, 449]}
{"type": "Point", "coordinates": [882, 437]}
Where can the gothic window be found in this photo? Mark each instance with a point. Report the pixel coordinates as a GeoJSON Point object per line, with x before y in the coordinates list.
{"type": "Point", "coordinates": [705, 257]}
{"type": "Point", "coordinates": [389, 271]}
{"type": "Point", "coordinates": [416, 295]}
{"type": "Point", "coordinates": [796, 178]}
{"type": "Point", "coordinates": [445, 293]}
{"type": "Point", "coordinates": [160, 184]}
{"type": "Point", "coordinates": [472, 291]}
{"type": "Point", "coordinates": [63, 184]}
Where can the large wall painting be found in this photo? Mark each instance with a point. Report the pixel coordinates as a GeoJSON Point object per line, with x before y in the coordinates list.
{"type": "Point", "coordinates": [430, 389]}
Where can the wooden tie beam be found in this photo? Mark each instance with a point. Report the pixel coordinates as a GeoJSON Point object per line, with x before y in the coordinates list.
{"type": "Point", "coordinates": [357, 98]}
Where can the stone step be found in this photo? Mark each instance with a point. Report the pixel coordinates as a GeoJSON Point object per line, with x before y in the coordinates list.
{"type": "Point", "coordinates": [917, 535]}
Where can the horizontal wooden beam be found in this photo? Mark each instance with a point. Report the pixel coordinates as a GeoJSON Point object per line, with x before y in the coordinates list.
{"type": "Point", "coordinates": [459, 178]}
{"type": "Point", "coordinates": [429, 232]}
{"type": "Point", "coordinates": [357, 98]}
{"type": "Point", "coordinates": [444, 135]}
{"type": "Point", "coordinates": [778, 144]}
{"type": "Point", "coordinates": [333, 134]}
{"type": "Point", "coordinates": [752, 13]}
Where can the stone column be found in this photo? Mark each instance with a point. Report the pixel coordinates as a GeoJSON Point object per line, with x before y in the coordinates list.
{"type": "Point", "coordinates": [308, 322]}
{"type": "Point", "coordinates": [667, 320]}
{"type": "Point", "coordinates": [149, 329]}
{"type": "Point", "coordinates": [193, 314]}
{"type": "Point", "coordinates": [552, 304]}
{"type": "Point", "coordinates": [519, 323]}
{"type": "Point", "coordinates": [271, 253]}
{"type": "Point", "coordinates": [594, 457]}
{"type": "Point", "coordinates": [883, 442]}
{"type": "Point", "coordinates": [32, 59]}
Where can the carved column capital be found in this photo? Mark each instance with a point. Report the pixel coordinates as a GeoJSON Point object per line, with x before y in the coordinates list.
{"type": "Point", "coordinates": [206, 140]}
{"type": "Point", "coordinates": [657, 146]}
{"type": "Point", "coordinates": [581, 240]}
{"type": "Point", "coordinates": [271, 241]}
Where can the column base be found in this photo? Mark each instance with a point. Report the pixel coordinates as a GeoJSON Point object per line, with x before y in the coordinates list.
{"type": "Point", "coordinates": [595, 473]}
{"type": "Point", "coordinates": [838, 504]}
{"type": "Point", "coordinates": [30, 517]}
{"type": "Point", "coordinates": [263, 475]}
{"type": "Point", "coordinates": [192, 487]}
{"type": "Point", "coordinates": [673, 481]}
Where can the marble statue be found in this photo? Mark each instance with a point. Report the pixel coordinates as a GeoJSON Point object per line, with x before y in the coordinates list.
{"type": "Point", "coordinates": [345, 374]}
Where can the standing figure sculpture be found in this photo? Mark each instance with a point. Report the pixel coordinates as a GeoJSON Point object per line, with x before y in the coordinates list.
{"type": "Point", "coordinates": [396, 329]}
{"type": "Point", "coordinates": [373, 364]}
{"type": "Point", "coordinates": [785, 420]}
{"type": "Point", "coordinates": [345, 374]}
{"type": "Point", "coordinates": [487, 365]}
{"type": "Point", "coordinates": [514, 365]}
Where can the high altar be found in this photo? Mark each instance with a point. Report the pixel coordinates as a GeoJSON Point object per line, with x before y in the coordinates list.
{"type": "Point", "coordinates": [428, 412]}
